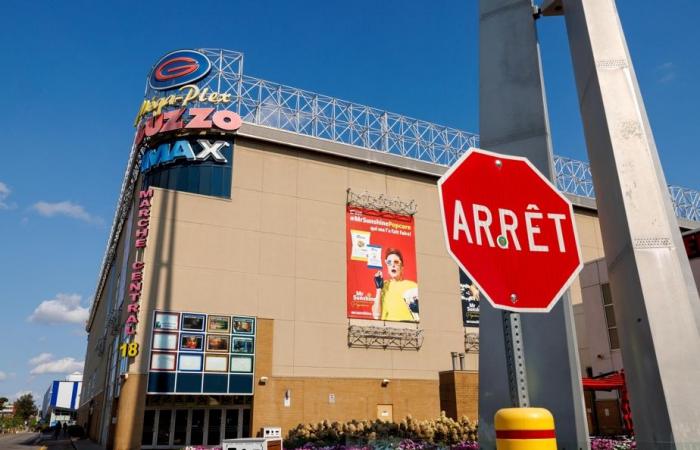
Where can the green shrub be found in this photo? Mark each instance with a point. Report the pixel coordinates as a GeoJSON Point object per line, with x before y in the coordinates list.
{"type": "Point", "coordinates": [440, 431]}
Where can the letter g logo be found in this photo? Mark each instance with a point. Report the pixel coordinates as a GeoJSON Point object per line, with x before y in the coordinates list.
{"type": "Point", "coordinates": [178, 68]}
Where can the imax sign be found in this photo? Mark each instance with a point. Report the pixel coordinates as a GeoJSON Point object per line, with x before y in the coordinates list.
{"type": "Point", "coordinates": [182, 151]}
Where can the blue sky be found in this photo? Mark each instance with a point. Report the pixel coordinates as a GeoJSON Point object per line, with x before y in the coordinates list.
{"type": "Point", "coordinates": [73, 75]}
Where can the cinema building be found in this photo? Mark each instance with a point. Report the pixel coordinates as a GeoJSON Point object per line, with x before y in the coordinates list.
{"type": "Point", "coordinates": [277, 257]}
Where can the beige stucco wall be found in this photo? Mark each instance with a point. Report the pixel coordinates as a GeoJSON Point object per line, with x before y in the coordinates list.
{"type": "Point", "coordinates": [591, 240]}
{"type": "Point", "coordinates": [276, 250]}
{"type": "Point", "coordinates": [600, 357]}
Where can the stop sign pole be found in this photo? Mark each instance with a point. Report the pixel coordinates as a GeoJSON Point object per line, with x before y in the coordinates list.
{"type": "Point", "coordinates": [515, 360]}
{"type": "Point", "coordinates": [513, 233]}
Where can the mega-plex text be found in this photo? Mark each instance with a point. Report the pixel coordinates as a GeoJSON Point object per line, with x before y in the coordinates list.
{"type": "Point", "coordinates": [190, 94]}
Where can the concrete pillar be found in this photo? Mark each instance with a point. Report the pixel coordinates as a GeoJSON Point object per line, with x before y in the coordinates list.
{"type": "Point", "coordinates": [132, 403]}
{"type": "Point", "coordinates": [513, 120]}
{"type": "Point", "coordinates": [657, 309]}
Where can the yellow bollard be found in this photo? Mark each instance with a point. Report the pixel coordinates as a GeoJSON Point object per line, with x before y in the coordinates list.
{"type": "Point", "coordinates": [525, 429]}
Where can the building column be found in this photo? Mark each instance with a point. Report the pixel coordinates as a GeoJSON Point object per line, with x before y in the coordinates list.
{"type": "Point", "coordinates": [513, 120]}
{"type": "Point", "coordinates": [657, 309]}
{"type": "Point", "coordinates": [132, 403]}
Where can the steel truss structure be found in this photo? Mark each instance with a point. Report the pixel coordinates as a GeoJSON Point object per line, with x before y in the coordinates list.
{"type": "Point", "coordinates": [303, 112]}
{"type": "Point", "coordinates": [573, 176]}
{"type": "Point", "coordinates": [686, 202]}
{"type": "Point", "coordinates": [274, 105]}
{"type": "Point", "coordinates": [384, 337]}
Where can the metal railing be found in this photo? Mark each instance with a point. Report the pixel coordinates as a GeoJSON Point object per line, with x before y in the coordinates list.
{"type": "Point", "coordinates": [303, 112]}
{"type": "Point", "coordinates": [686, 202]}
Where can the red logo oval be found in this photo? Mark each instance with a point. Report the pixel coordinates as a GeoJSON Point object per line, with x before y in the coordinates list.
{"type": "Point", "coordinates": [175, 68]}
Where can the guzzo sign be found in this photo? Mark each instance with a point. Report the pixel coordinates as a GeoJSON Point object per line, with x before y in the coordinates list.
{"type": "Point", "coordinates": [179, 68]}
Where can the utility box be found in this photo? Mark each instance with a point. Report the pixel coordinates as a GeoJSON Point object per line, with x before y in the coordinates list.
{"type": "Point", "coordinates": [252, 444]}
{"type": "Point", "coordinates": [272, 432]}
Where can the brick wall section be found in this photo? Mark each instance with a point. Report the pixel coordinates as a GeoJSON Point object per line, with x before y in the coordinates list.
{"type": "Point", "coordinates": [355, 398]}
{"type": "Point", "coordinates": [459, 393]}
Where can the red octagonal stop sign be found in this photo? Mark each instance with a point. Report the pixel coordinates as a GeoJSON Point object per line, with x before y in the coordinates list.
{"type": "Point", "coordinates": [510, 230]}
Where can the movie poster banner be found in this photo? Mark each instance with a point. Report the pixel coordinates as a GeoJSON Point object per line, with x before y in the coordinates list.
{"type": "Point", "coordinates": [381, 266]}
{"type": "Point", "coordinates": [470, 301]}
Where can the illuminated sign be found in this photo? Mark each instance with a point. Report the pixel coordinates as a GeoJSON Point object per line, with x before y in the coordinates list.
{"type": "Point", "coordinates": [136, 276]}
{"type": "Point", "coordinates": [182, 150]}
{"type": "Point", "coordinates": [178, 68]}
{"type": "Point", "coordinates": [190, 93]}
{"type": "Point", "coordinates": [192, 118]}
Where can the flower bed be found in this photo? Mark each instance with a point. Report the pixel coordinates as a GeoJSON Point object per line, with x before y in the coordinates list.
{"type": "Point", "coordinates": [616, 443]}
{"type": "Point", "coordinates": [408, 434]}
{"type": "Point", "coordinates": [405, 444]}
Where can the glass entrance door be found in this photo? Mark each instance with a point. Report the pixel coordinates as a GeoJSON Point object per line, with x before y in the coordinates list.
{"type": "Point", "coordinates": [231, 424]}
{"type": "Point", "coordinates": [176, 428]}
{"type": "Point", "coordinates": [214, 425]}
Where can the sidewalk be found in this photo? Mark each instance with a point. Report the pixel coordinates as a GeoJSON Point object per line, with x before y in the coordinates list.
{"type": "Point", "coordinates": [86, 444]}
{"type": "Point", "coordinates": [47, 441]}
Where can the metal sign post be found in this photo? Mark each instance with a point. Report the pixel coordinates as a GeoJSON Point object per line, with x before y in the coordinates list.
{"type": "Point", "coordinates": [515, 360]}
{"type": "Point", "coordinates": [513, 120]}
{"type": "Point", "coordinates": [504, 223]}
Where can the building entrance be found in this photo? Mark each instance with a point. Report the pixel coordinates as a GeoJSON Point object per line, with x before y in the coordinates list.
{"type": "Point", "coordinates": [174, 427]}
{"type": "Point", "coordinates": [178, 421]}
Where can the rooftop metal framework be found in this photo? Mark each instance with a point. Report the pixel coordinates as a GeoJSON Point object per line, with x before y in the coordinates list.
{"type": "Point", "coordinates": [277, 106]}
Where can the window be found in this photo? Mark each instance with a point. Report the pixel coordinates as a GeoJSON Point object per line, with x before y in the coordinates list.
{"type": "Point", "coordinates": [610, 316]}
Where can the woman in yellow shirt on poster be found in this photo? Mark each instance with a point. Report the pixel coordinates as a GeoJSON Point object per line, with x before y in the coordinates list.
{"type": "Point", "coordinates": [396, 298]}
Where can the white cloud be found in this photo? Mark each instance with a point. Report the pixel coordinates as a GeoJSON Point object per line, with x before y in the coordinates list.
{"type": "Point", "coordinates": [66, 208]}
{"type": "Point", "coordinates": [4, 193]}
{"type": "Point", "coordinates": [65, 308]}
{"type": "Point", "coordinates": [3, 376]}
{"type": "Point", "coordinates": [666, 72]}
{"type": "Point", "coordinates": [63, 365]}
{"type": "Point", "coordinates": [40, 358]}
